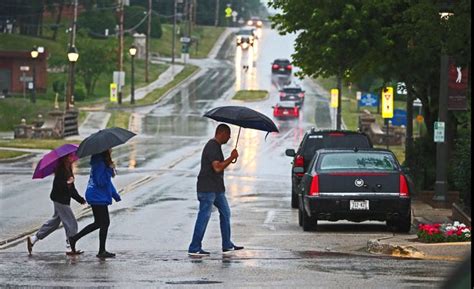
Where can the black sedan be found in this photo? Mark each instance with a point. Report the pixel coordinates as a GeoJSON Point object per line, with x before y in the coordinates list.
{"type": "Point", "coordinates": [355, 185]}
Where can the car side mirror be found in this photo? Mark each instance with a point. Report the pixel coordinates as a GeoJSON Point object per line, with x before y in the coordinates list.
{"type": "Point", "coordinates": [298, 170]}
{"type": "Point", "coordinates": [290, 152]}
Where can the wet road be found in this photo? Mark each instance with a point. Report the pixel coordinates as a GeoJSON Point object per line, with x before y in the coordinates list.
{"type": "Point", "coordinates": [151, 228]}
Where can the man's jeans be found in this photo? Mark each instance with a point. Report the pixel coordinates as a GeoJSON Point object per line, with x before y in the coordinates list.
{"type": "Point", "coordinates": [206, 200]}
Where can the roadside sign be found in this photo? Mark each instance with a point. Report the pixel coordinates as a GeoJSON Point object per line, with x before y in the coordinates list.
{"type": "Point", "coordinates": [358, 95]}
{"type": "Point", "coordinates": [369, 99]}
{"type": "Point", "coordinates": [399, 117]}
{"type": "Point", "coordinates": [334, 99]}
{"type": "Point", "coordinates": [228, 12]}
{"type": "Point", "coordinates": [387, 102]}
{"type": "Point", "coordinates": [417, 103]}
{"type": "Point", "coordinates": [185, 39]}
{"type": "Point", "coordinates": [119, 78]}
{"type": "Point", "coordinates": [419, 118]}
{"type": "Point", "coordinates": [26, 78]}
{"type": "Point", "coordinates": [113, 92]}
{"type": "Point", "coordinates": [401, 88]}
{"type": "Point", "coordinates": [439, 131]}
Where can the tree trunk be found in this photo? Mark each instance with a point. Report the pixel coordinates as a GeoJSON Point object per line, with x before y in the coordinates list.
{"type": "Point", "coordinates": [58, 20]}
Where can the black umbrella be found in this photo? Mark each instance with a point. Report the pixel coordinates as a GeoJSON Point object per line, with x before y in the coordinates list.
{"type": "Point", "coordinates": [103, 140]}
{"type": "Point", "coordinates": [243, 117]}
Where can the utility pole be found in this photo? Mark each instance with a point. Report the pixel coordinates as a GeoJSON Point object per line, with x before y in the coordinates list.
{"type": "Point", "coordinates": [190, 16]}
{"type": "Point", "coordinates": [339, 101]}
{"type": "Point", "coordinates": [216, 22]}
{"type": "Point", "coordinates": [173, 42]}
{"type": "Point", "coordinates": [72, 43]}
{"type": "Point", "coordinates": [120, 51]}
{"type": "Point", "coordinates": [148, 41]}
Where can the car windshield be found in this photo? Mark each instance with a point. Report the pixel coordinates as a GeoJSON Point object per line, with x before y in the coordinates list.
{"type": "Point", "coordinates": [292, 90]}
{"type": "Point", "coordinates": [245, 32]}
{"type": "Point", "coordinates": [320, 141]}
{"type": "Point", "coordinates": [281, 62]}
{"type": "Point", "coordinates": [357, 161]}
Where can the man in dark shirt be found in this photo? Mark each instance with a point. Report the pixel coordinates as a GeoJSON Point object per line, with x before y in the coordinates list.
{"type": "Point", "coordinates": [211, 191]}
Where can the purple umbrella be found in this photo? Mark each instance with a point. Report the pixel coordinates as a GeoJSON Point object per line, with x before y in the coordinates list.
{"type": "Point", "coordinates": [49, 161]}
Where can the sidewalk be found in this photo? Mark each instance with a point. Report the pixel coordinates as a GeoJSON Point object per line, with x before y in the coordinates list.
{"type": "Point", "coordinates": [408, 246]}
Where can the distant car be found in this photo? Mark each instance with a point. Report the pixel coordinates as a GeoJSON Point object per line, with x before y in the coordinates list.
{"type": "Point", "coordinates": [255, 21]}
{"type": "Point", "coordinates": [314, 140]}
{"type": "Point", "coordinates": [286, 109]}
{"type": "Point", "coordinates": [245, 37]}
{"type": "Point", "coordinates": [355, 185]}
{"type": "Point", "coordinates": [292, 92]}
{"type": "Point", "coordinates": [282, 66]}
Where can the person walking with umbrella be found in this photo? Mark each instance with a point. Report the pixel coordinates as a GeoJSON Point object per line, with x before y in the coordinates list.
{"type": "Point", "coordinates": [211, 191]}
{"type": "Point", "coordinates": [99, 194]}
{"type": "Point", "coordinates": [62, 192]}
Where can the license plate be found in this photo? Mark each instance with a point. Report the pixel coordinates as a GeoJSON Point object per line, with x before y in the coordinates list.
{"type": "Point", "coordinates": [285, 112]}
{"type": "Point", "coordinates": [282, 69]}
{"type": "Point", "coordinates": [359, 205]}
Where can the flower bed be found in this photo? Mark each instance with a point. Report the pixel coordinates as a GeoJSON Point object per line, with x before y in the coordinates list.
{"type": "Point", "coordinates": [436, 233]}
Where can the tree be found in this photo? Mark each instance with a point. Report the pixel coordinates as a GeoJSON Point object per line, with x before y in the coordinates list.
{"type": "Point", "coordinates": [94, 60]}
{"type": "Point", "coordinates": [135, 14]}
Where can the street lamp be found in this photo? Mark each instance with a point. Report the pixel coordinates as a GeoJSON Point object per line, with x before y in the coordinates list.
{"type": "Point", "coordinates": [133, 50]}
{"type": "Point", "coordinates": [441, 184]}
{"type": "Point", "coordinates": [34, 55]}
{"type": "Point", "coordinates": [72, 56]}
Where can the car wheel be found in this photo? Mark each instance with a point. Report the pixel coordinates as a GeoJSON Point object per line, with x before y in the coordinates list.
{"type": "Point", "coordinates": [308, 223]}
{"type": "Point", "coordinates": [404, 224]}
{"type": "Point", "coordinates": [294, 199]}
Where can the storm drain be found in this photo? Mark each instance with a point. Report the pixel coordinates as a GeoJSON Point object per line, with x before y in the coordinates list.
{"type": "Point", "coordinates": [193, 282]}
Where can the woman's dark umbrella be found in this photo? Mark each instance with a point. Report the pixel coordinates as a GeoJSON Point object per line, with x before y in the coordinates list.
{"type": "Point", "coordinates": [243, 117]}
{"type": "Point", "coordinates": [103, 140]}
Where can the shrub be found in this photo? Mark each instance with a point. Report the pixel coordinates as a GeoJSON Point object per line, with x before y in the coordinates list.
{"type": "Point", "coordinates": [461, 167]}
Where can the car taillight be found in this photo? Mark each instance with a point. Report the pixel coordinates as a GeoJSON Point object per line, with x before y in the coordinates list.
{"type": "Point", "coordinates": [289, 67]}
{"type": "Point", "coordinates": [403, 186]}
{"type": "Point", "coordinates": [314, 191]}
{"type": "Point", "coordinates": [301, 94]}
{"type": "Point", "coordinates": [299, 161]}
{"type": "Point", "coordinates": [295, 110]}
{"type": "Point", "coordinates": [282, 94]}
{"type": "Point", "coordinates": [336, 134]}
{"type": "Point", "coordinates": [275, 66]}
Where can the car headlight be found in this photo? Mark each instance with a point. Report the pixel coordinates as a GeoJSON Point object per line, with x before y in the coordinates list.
{"type": "Point", "coordinates": [250, 22]}
{"type": "Point", "coordinates": [259, 23]}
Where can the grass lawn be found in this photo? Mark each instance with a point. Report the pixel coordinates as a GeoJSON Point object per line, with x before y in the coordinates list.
{"type": "Point", "coordinates": [6, 154]}
{"type": "Point", "coordinates": [36, 143]}
{"type": "Point", "coordinates": [119, 119]}
{"type": "Point", "coordinates": [250, 95]}
{"type": "Point", "coordinates": [156, 94]}
{"type": "Point", "coordinates": [206, 35]}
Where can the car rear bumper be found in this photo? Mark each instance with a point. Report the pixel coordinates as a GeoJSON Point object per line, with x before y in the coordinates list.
{"type": "Point", "coordinates": [381, 207]}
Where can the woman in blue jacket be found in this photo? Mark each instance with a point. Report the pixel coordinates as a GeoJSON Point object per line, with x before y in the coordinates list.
{"type": "Point", "coordinates": [99, 194]}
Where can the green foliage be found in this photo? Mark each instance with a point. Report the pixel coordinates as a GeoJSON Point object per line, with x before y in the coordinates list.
{"type": "Point", "coordinates": [79, 92]}
{"type": "Point", "coordinates": [135, 14]}
{"type": "Point", "coordinates": [461, 167]}
{"type": "Point", "coordinates": [94, 60]}
{"type": "Point", "coordinates": [95, 22]}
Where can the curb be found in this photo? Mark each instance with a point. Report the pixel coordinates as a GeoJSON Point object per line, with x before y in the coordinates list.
{"type": "Point", "coordinates": [18, 158]}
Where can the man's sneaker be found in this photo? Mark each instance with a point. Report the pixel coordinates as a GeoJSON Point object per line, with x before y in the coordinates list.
{"type": "Point", "coordinates": [199, 253]}
{"type": "Point", "coordinates": [29, 245]}
{"type": "Point", "coordinates": [105, 254]}
{"type": "Point", "coordinates": [235, 248]}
